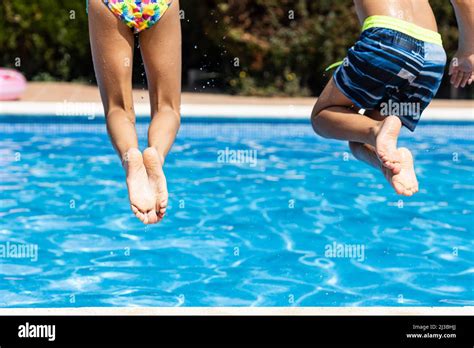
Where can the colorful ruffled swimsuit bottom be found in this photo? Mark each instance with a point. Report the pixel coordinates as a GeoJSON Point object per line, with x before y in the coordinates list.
{"type": "Point", "coordinates": [138, 14]}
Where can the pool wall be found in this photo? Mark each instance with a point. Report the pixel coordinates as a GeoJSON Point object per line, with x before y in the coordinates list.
{"type": "Point", "coordinates": [209, 111]}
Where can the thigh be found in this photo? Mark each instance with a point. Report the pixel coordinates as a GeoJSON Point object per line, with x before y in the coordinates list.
{"type": "Point", "coordinates": [332, 96]}
{"type": "Point", "coordinates": [161, 51]}
{"type": "Point", "coordinates": [112, 45]}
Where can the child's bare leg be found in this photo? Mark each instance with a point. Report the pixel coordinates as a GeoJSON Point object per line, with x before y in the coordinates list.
{"type": "Point", "coordinates": [372, 138]}
{"type": "Point", "coordinates": [335, 117]}
{"type": "Point", "coordinates": [161, 52]}
{"type": "Point", "coordinates": [404, 182]}
{"type": "Point", "coordinates": [112, 49]}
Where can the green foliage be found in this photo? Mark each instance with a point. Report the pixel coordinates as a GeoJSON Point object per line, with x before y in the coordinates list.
{"type": "Point", "coordinates": [274, 39]}
{"type": "Point", "coordinates": [281, 46]}
{"type": "Point", "coordinates": [256, 47]}
{"type": "Point", "coordinates": [47, 38]}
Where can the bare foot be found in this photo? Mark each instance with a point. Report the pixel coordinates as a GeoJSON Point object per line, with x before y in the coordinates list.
{"type": "Point", "coordinates": [405, 182]}
{"type": "Point", "coordinates": [386, 143]}
{"type": "Point", "coordinates": [140, 193]}
{"type": "Point", "coordinates": [156, 176]}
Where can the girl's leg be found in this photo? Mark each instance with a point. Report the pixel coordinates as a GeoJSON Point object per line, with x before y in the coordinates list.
{"type": "Point", "coordinates": [161, 51]}
{"type": "Point", "coordinates": [112, 49]}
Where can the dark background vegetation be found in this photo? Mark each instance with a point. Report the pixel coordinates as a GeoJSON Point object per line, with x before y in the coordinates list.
{"type": "Point", "coordinates": [248, 47]}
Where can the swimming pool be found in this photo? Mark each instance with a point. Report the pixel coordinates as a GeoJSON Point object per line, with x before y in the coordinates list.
{"type": "Point", "coordinates": [290, 220]}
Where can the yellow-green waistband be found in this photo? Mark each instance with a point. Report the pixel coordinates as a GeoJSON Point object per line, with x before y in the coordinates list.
{"type": "Point", "coordinates": [402, 26]}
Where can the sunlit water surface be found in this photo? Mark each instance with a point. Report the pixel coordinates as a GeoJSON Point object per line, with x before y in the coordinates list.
{"type": "Point", "coordinates": [236, 234]}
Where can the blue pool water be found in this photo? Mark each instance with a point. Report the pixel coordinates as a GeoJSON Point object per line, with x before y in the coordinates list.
{"type": "Point", "coordinates": [237, 234]}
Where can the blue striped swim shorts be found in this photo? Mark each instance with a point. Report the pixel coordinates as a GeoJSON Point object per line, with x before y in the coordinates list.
{"type": "Point", "coordinates": [395, 68]}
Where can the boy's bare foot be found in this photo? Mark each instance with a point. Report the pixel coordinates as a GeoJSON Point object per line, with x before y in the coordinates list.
{"type": "Point", "coordinates": [156, 176]}
{"type": "Point", "coordinates": [386, 143]}
{"type": "Point", "coordinates": [405, 182]}
{"type": "Point", "coordinates": [141, 196]}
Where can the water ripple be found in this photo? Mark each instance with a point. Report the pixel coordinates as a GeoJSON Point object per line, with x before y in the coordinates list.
{"type": "Point", "coordinates": [235, 234]}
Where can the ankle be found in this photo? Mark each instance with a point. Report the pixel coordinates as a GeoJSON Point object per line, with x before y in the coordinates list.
{"type": "Point", "coordinates": [126, 156]}
{"type": "Point", "coordinates": [162, 159]}
{"type": "Point", "coordinates": [160, 155]}
{"type": "Point", "coordinates": [374, 132]}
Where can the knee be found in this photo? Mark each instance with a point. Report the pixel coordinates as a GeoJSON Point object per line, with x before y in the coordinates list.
{"type": "Point", "coordinates": [353, 146]}
{"type": "Point", "coordinates": [169, 112]}
{"type": "Point", "coordinates": [316, 116]}
{"type": "Point", "coordinates": [176, 115]}
{"type": "Point", "coordinates": [120, 112]}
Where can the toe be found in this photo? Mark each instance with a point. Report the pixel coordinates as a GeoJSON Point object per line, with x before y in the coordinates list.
{"type": "Point", "coordinates": [388, 164]}
{"type": "Point", "coordinates": [410, 191]}
{"type": "Point", "coordinates": [399, 188]}
{"type": "Point", "coordinates": [140, 216]}
{"type": "Point", "coordinates": [163, 204]}
{"type": "Point", "coordinates": [152, 217]}
{"type": "Point", "coordinates": [162, 212]}
{"type": "Point", "coordinates": [391, 158]}
{"type": "Point", "coordinates": [397, 168]}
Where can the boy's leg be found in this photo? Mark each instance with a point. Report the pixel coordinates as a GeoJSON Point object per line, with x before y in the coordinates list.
{"type": "Point", "coordinates": [404, 182]}
{"type": "Point", "coordinates": [112, 49]}
{"type": "Point", "coordinates": [334, 116]}
{"type": "Point", "coordinates": [371, 137]}
{"type": "Point", "coordinates": [161, 51]}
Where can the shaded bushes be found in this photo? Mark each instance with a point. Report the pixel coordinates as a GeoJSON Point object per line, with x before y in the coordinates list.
{"type": "Point", "coordinates": [254, 47]}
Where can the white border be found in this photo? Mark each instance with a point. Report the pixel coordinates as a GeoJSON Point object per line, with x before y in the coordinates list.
{"type": "Point", "coordinates": [225, 111]}
{"type": "Point", "coordinates": [245, 311]}
{"type": "Point", "coordinates": [207, 110]}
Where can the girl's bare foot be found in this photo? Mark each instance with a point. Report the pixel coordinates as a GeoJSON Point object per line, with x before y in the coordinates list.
{"type": "Point", "coordinates": [386, 143]}
{"type": "Point", "coordinates": [141, 195]}
{"type": "Point", "coordinates": [405, 182]}
{"type": "Point", "coordinates": [157, 179]}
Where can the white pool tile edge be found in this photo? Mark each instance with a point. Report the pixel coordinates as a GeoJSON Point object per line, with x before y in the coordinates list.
{"type": "Point", "coordinates": [206, 110]}
{"type": "Point", "coordinates": [246, 311]}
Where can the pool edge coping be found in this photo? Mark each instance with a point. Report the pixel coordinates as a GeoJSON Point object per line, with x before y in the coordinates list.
{"type": "Point", "coordinates": [295, 112]}
{"type": "Point", "coordinates": [241, 311]}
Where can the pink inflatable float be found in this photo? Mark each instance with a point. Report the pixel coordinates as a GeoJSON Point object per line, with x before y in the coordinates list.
{"type": "Point", "coordinates": [12, 84]}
